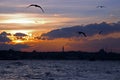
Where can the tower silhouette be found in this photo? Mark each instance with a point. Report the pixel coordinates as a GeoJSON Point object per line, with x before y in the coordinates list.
{"type": "Point", "coordinates": [63, 49]}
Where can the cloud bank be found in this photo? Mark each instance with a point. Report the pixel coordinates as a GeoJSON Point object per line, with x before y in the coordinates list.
{"type": "Point", "coordinates": [90, 30]}
{"type": "Point", "coordinates": [4, 38]}
{"type": "Point", "coordinates": [20, 34]}
{"type": "Point", "coordinates": [5, 42]}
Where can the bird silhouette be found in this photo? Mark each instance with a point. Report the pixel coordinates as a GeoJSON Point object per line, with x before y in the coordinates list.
{"type": "Point", "coordinates": [82, 33]}
{"type": "Point", "coordinates": [100, 32]}
{"type": "Point", "coordinates": [100, 6]}
{"type": "Point", "coordinates": [35, 5]}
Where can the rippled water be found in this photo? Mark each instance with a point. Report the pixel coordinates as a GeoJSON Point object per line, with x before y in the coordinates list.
{"type": "Point", "coordinates": [59, 70]}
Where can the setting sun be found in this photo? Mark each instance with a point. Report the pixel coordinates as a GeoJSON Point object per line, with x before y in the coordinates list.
{"type": "Point", "coordinates": [18, 41]}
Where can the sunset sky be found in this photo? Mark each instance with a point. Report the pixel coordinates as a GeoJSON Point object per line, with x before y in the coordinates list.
{"type": "Point", "coordinates": [29, 29]}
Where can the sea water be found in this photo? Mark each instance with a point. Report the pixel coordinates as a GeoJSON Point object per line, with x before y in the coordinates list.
{"type": "Point", "coordinates": [59, 70]}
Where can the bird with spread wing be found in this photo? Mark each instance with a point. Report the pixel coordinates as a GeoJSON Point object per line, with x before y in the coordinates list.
{"type": "Point", "coordinates": [35, 5]}
{"type": "Point", "coordinates": [82, 33]}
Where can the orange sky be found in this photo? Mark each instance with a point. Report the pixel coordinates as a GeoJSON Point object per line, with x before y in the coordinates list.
{"type": "Point", "coordinates": [34, 26]}
{"type": "Point", "coordinates": [16, 18]}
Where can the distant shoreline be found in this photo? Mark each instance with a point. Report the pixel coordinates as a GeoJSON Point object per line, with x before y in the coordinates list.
{"type": "Point", "coordinates": [71, 55]}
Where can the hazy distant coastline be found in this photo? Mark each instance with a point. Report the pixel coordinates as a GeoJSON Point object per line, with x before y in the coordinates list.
{"type": "Point", "coordinates": [70, 55]}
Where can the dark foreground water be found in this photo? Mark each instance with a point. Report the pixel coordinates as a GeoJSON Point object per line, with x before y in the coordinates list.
{"type": "Point", "coordinates": [59, 70]}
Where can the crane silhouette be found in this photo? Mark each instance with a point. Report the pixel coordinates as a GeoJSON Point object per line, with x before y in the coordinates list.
{"type": "Point", "coordinates": [35, 5]}
{"type": "Point", "coordinates": [82, 33]}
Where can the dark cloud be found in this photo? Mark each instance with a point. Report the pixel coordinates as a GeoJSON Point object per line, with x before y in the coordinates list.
{"type": "Point", "coordinates": [14, 47]}
{"type": "Point", "coordinates": [20, 34]}
{"type": "Point", "coordinates": [4, 38]}
{"type": "Point", "coordinates": [90, 30]}
{"type": "Point", "coordinates": [5, 34]}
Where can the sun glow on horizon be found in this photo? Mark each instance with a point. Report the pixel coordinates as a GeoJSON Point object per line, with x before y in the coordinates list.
{"type": "Point", "coordinates": [19, 31]}
{"type": "Point", "coordinates": [20, 38]}
{"type": "Point", "coordinates": [20, 21]}
{"type": "Point", "coordinates": [18, 41]}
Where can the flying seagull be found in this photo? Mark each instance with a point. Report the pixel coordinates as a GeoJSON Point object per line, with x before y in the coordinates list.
{"type": "Point", "coordinates": [82, 33]}
{"type": "Point", "coordinates": [35, 5]}
{"type": "Point", "coordinates": [100, 32]}
{"type": "Point", "coordinates": [100, 6]}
